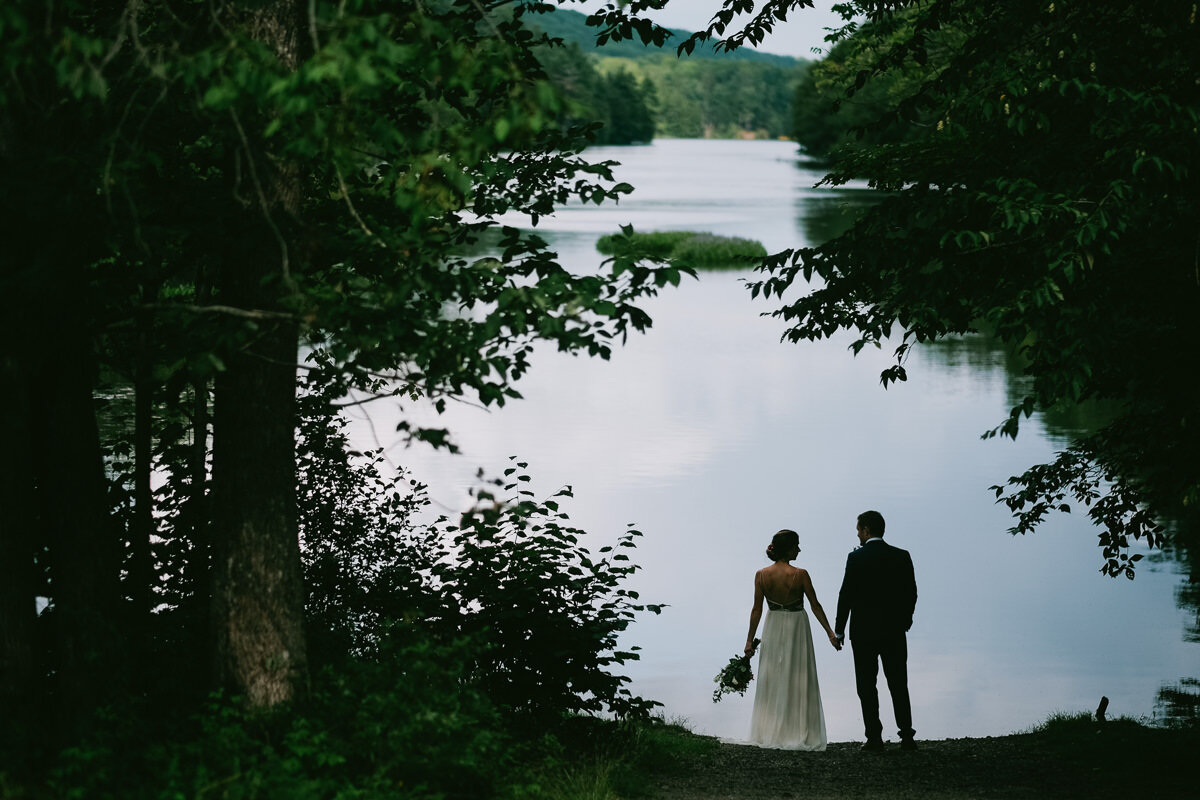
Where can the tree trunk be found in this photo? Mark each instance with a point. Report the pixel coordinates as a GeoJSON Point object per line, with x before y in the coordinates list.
{"type": "Point", "coordinates": [140, 572]}
{"type": "Point", "coordinates": [55, 490]}
{"type": "Point", "coordinates": [18, 523]}
{"type": "Point", "coordinates": [84, 543]}
{"type": "Point", "coordinates": [197, 576]}
{"type": "Point", "coordinates": [258, 593]}
{"type": "Point", "coordinates": [198, 568]}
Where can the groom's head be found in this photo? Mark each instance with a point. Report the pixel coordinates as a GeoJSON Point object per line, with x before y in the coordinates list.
{"type": "Point", "coordinates": [870, 524]}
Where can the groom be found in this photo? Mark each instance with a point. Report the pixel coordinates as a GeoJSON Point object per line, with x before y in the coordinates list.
{"type": "Point", "coordinates": [879, 594]}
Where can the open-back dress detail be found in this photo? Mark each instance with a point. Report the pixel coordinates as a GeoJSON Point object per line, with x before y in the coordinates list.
{"type": "Point", "coordinates": [787, 700]}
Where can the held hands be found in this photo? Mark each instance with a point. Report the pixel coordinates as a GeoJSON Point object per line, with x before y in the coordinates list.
{"type": "Point", "coordinates": [833, 640]}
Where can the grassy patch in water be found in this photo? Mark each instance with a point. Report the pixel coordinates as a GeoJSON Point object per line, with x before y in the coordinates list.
{"type": "Point", "coordinates": [685, 248]}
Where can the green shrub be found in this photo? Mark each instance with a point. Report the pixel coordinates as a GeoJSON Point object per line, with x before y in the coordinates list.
{"type": "Point", "coordinates": [550, 611]}
{"type": "Point", "coordinates": [543, 612]}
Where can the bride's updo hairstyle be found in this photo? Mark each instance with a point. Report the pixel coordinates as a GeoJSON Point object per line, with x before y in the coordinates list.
{"type": "Point", "coordinates": [784, 545]}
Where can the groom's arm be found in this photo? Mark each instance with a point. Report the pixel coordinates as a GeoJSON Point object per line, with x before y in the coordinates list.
{"type": "Point", "coordinates": [910, 590]}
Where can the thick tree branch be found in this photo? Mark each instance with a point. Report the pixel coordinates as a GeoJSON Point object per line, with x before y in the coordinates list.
{"type": "Point", "coordinates": [233, 311]}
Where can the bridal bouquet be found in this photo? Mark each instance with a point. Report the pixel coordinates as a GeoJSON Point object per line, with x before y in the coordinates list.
{"type": "Point", "coordinates": [736, 675]}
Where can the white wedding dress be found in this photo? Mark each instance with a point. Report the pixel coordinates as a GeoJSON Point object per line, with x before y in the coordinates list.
{"type": "Point", "coordinates": [787, 699]}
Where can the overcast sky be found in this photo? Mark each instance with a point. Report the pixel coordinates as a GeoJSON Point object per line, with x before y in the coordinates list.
{"type": "Point", "coordinates": [803, 31]}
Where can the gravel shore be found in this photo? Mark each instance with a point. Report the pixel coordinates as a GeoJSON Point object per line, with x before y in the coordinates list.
{"type": "Point", "coordinates": [1115, 760]}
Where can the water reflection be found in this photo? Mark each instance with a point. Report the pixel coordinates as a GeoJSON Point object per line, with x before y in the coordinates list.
{"type": "Point", "coordinates": [979, 352]}
{"type": "Point", "coordinates": [1182, 553]}
{"type": "Point", "coordinates": [1178, 702]}
{"type": "Point", "coordinates": [1063, 424]}
{"type": "Point", "coordinates": [824, 214]}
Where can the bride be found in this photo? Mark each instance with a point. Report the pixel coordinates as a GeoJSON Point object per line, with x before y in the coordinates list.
{"type": "Point", "coordinates": [787, 701]}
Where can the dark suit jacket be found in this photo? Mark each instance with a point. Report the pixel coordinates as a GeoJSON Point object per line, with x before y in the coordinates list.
{"type": "Point", "coordinates": [879, 592]}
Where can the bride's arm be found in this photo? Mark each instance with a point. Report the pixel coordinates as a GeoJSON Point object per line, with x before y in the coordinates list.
{"type": "Point", "coordinates": [755, 614]}
{"type": "Point", "coordinates": [818, 612]}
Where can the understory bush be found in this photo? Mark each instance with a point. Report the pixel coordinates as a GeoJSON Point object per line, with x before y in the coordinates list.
{"type": "Point", "coordinates": [467, 658]}
{"type": "Point", "coordinates": [511, 575]}
{"type": "Point", "coordinates": [410, 725]}
{"type": "Point", "coordinates": [368, 732]}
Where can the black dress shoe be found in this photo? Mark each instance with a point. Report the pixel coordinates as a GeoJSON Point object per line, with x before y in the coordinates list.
{"type": "Point", "coordinates": [872, 745]}
{"type": "Point", "coordinates": [908, 744]}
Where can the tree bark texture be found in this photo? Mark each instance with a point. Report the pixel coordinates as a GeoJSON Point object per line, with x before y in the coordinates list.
{"type": "Point", "coordinates": [258, 592]}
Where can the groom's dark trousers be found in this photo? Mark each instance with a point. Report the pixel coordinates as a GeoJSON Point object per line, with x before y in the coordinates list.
{"type": "Point", "coordinates": [893, 652]}
{"type": "Point", "coordinates": [878, 596]}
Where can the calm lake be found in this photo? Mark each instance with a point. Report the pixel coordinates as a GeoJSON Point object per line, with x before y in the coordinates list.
{"type": "Point", "coordinates": [709, 434]}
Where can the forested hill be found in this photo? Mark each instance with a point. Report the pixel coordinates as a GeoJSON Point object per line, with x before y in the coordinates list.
{"type": "Point", "coordinates": [572, 27]}
{"type": "Point", "coordinates": [638, 92]}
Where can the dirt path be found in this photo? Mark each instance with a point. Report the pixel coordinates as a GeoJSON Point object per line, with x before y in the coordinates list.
{"type": "Point", "coordinates": [1117, 761]}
